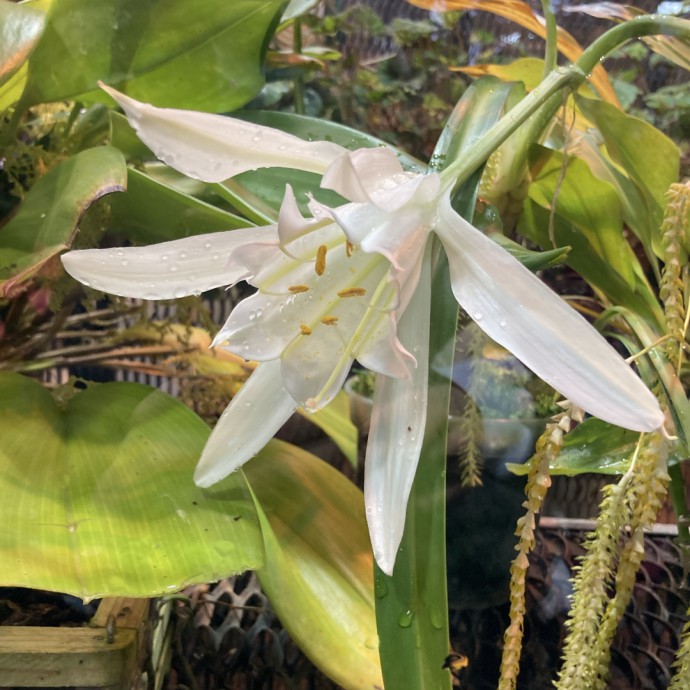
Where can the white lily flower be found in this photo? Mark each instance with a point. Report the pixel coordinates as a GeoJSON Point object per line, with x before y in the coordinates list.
{"type": "Point", "coordinates": [351, 282]}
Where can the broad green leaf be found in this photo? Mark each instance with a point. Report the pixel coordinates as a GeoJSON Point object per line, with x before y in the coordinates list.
{"type": "Point", "coordinates": [593, 446]}
{"type": "Point", "coordinates": [318, 569]}
{"type": "Point", "coordinates": [98, 496]}
{"type": "Point", "coordinates": [640, 216]}
{"type": "Point", "coordinates": [47, 219]}
{"type": "Point", "coordinates": [205, 56]}
{"type": "Point", "coordinates": [586, 202]}
{"type": "Point", "coordinates": [647, 156]}
{"type": "Point", "coordinates": [334, 421]}
{"type": "Point", "coordinates": [586, 260]}
{"type": "Point", "coordinates": [598, 447]}
{"type": "Point", "coordinates": [151, 211]}
{"type": "Point", "coordinates": [20, 29]}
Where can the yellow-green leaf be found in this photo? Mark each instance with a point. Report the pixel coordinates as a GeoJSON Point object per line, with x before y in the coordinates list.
{"type": "Point", "coordinates": [98, 496]}
{"type": "Point", "coordinates": [319, 566]}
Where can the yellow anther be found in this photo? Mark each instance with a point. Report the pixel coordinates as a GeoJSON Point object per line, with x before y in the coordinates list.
{"type": "Point", "coordinates": [321, 260]}
{"type": "Point", "coordinates": [352, 292]}
{"type": "Point", "coordinates": [349, 248]}
{"type": "Point", "coordinates": [294, 289]}
{"type": "Point", "coordinates": [304, 329]}
{"type": "Point", "coordinates": [329, 320]}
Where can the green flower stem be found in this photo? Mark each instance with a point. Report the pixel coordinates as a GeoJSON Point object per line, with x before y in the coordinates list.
{"type": "Point", "coordinates": [412, 605]}
{"type": "Point", "coordinates": [551, 53]}
{"type": "Point", "coordinates": [548, 95]}
{"type": "Point", "coordinates": [645, 25]}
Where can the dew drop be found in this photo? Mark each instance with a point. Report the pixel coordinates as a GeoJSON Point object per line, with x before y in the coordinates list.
{"type": "Point", "coordinates": [208, 245]}
{"type": "Point", "coordinates": [380, 587]}
{"type": "Point", "coordinates": [164, 257]}
{"type": "Point", "coordinates": [183, 255]}
{"type": "Point", "coordinates": [437, 618]}
{"type": "Point", "coordinates": [124, 262]}
{"type": "Point", "coordinates": [478, 316]}
{"type": "Point", "coordinates": [502, 323]}
{"type": "Point", "coordinates": [405, 619]}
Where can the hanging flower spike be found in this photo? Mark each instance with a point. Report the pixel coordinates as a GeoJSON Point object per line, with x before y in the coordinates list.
{"type": "Point", "coordinates": [351, 282]}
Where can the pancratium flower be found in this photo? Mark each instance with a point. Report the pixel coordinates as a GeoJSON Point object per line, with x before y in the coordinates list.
{"type": "Point", "coordinates": [351, 282]}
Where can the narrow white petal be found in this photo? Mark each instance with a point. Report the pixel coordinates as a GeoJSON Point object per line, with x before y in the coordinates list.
{"type": "Point", "coordinates": [214, 148]}
{"type": "Point", "coordinates": [521, 313]}
{"type": "Point", "coordinates": [397, 430]}
{"type": "Point", "coordinates": [167, 270]}
{"type": "Point", "coordinates": [260, 408]}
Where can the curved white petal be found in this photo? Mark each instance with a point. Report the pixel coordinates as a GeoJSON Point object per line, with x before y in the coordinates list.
{"type": "Point", "coordinates": [214, 148]}
{"type": "Point", "coordinates": [397, 430]}
{"type": "Point", "coordinates": [167, 270]}
{"type": "Point", "coordinates": [356, 173]}
{"type": "Point", "coordinates": [521, 313]}
{"type": "Point", "coordinates": [260, 408]}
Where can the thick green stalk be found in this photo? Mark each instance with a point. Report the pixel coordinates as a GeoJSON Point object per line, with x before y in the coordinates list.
{"type": "Point", "coordinates": [412, 605]}
{"type": "Point", "coordinates": [548, 95]}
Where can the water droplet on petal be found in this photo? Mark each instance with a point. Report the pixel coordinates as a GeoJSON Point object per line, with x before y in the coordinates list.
{"type": "Point", "coordinates": [478, 316]}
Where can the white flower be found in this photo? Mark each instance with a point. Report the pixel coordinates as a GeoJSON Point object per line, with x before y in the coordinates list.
{"type": "Point", "coordinates": [351, 282]}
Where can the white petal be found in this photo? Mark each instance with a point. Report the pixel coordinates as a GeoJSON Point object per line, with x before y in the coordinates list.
{"type": "Point", "coordinates": [397, 430]}
{"type": "Point", "coordinates": [291, 223]}
{"type": "Point", "coordinates": [260, 408]}
{"type": "Point", "coordinates": [340, 326]}
{"type": "Point", "coordinates": [167, 270]}
{"type": "Point", "coordinates": [356, 173]}
{"type": "Point", "coordinates": [214, 148]}
{"type": "Point", "coordinates": [518, 311]}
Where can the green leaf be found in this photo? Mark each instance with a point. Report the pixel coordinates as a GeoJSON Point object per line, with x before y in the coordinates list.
{"type": "Point", "coordinates": [20, 29]}
{"type": "Point", "coordinates": [204, 56]}
{"type": "Point", "coordinates": [586, 260]}
{"type": "Point", "coordinates": [151, 211]}
{"type": "Point", "coordinates": [648, 157]}
{"type": "Point", "coordinates": [334, 420]}
{"type": "Point", "coordinates": [596, 446]}
{"type": "Point", "coordinates": [535, 261]}
{"type": "Point", "coordinates": [318, 569]}
{"type": "Point", "coordinates": [47, 219]}
{"type": "Point", "coordinates": [587, 203]}
{"type": "Point", "coordinates": [98, 496]}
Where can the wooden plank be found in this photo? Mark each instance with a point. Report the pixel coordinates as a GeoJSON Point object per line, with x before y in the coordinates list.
{"type": "Point", "coordinates": [107, 654]}
{"type": "Point", "coordinates": [55, 657]}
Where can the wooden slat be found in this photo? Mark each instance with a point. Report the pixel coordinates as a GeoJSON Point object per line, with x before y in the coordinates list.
{"type": "Point", "coordinates": [100, 656]}
{"type": "Point", "coordinates": [54, 657]}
